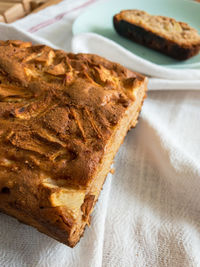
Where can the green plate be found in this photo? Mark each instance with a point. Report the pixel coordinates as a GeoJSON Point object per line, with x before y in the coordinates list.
{"type": "Point", "coordinates": [98, 19]}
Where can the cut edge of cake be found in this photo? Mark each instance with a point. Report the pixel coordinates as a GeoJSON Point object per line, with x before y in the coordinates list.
{"type": "Point", "coordinates": [164, 34]}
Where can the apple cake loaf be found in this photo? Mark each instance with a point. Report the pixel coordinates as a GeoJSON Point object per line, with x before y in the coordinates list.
{"type": "Point", "coordinates": [63, 117]}
{"type": "Point", "coordinates": [166, 35]}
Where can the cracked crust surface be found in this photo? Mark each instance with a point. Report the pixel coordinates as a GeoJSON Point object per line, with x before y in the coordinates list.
{"type": "Point", "coordinates": [58, 114]}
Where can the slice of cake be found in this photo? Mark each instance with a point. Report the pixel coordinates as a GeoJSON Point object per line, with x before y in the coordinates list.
{"type": "Point", "coordinates": [62, 119]}
{"type": "Point", "coordinates": [166, 35]}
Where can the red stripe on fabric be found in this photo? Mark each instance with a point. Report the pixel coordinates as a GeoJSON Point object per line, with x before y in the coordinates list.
{"type": "Point", "coordinates": [57, 18]}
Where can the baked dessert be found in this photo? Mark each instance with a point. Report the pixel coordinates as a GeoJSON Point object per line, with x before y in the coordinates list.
{"type": "Point", "coordinates": [63, 117]}
{"type": "Point", "coordinates": [173, 38]}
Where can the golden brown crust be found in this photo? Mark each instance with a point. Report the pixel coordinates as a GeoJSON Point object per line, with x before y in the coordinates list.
{"type": "Point", "coordinates": [176, 39]}
{"type": "Point", "coordinates": [58, 112]}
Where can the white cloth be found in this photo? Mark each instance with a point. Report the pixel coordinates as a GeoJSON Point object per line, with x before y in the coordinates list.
{"type": "Point", "coordinates": [148, 213]}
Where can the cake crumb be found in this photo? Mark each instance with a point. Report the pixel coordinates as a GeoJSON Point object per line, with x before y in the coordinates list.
{"type": "Point", "coordinates": [112, 171]}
